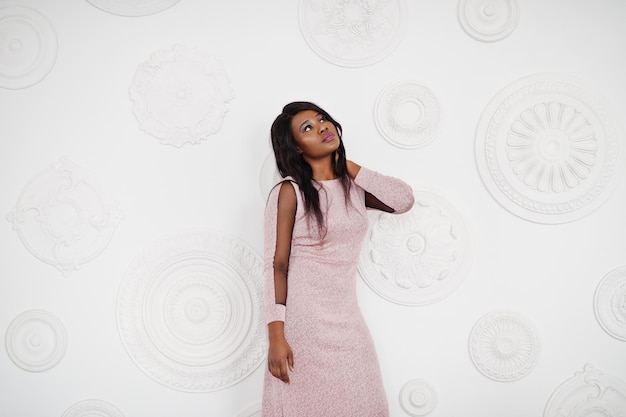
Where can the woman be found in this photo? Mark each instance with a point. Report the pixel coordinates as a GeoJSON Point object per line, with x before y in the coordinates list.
{"type": "Point", "coordinates": [321, 358]}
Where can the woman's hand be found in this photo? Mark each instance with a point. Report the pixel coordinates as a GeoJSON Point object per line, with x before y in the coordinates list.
{"type": "Point", "coordinates": [280, 359]}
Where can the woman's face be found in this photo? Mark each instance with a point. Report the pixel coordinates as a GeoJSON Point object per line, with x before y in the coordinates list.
{"type": "Point", "coordinates": [315, 136]}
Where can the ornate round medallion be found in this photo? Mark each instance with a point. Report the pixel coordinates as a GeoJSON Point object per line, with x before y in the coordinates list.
{"type": "Point", "coordinates": [269, 176]}
{"type": "Point", "coordinates": [548, 149]}
{"type": "Point", "coordinates": [133, 8]}
{"type": "Point", "coordinates": [93, 408]}
{"type": "Point", "coordinates": [418, 257]}
{"type": "Point", "coordinates": [407, 114]}
{"type": "Point", "coordinates": [36, 340]}
{"type": "Point", "coordinates": [180, 95]}
{"type": "Point", "coordinates": [28, 47]}
{"type": "Point", "coordinates": [610, 303]}
{"type": "Point", "coordinates": [589, 393]}
{"type": "Point", "coordinates": [418, 397]}
{"type": "Point", "coordinates": [488, 20]}
{"type": "Point", "coordinates": [190, 311]}
{"type": "Point", "coordinates": [504, 346]}
{"type": "Point", "coordinates": [63, 218]}
{"type": "Point", "coordinates": [353, 33]}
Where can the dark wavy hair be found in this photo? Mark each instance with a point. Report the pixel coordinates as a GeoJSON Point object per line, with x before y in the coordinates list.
{"type": "Point", "coordinates": [291, 163]}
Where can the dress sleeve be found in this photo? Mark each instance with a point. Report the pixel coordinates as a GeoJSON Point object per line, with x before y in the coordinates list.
{"type": "Point", "coordinates": [393, 192]}
{"type": "Point", "coordinates": [273, 311]}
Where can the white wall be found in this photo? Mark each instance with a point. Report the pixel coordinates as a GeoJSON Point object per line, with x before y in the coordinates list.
{"type": "Point", "coordinates": [82, 111]}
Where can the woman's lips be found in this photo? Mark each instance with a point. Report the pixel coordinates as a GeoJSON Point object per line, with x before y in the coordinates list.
{"type": "Point", "coordinates": [329, 137]}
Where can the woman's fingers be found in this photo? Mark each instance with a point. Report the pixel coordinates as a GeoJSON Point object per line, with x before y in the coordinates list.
{"type": "Point", "coordinates": [279, 369]}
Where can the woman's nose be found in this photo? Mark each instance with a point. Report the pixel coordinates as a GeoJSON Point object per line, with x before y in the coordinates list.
{"type": "Point", "coordinates": [323, 127]}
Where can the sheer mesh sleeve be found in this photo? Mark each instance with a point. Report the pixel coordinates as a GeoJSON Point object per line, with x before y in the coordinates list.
{"type": "Point", "coordinates": [393, 192]}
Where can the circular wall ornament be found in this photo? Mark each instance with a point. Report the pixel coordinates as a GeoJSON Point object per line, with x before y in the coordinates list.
{"type": "Point", "coordinates": [588, 393]}
{"type": "Point", "coordinates": [407, 114]}
{"type": "Point", "coordinates": [36, 340]}
{"type": "Point", "coordinates": [353, 33]}
{"type": "Point", "coordinates": [190, 311]}
{"type": "Point", "coordinates": [488, 20]}
{"type": "Point", "coordinates": [133, 8]}
{"type": "Point", "coordinates": [610, 303]}
{"type": "Point", "coordinates": [63, 218]}
{"type": "Point", "coordinates": [180, 95]}
{"type": "Point", "coordinates": [418, 257]}
{"type": "Point", "coordinates": [93, 408]}
{"type": "Point", "coordinates": [504, 346]}
{"type": "Point", "coordinates": [548, 149]}
{"type": "Point", "coordinates": [418, 397]}
{"type": "Point", "coordinates": [269, 176]}
{"type": "Point", "coordinates": [28, 47]}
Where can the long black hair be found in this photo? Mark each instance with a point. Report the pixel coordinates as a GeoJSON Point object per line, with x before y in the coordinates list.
{"type": "Point", "coordinates": [291, 163]}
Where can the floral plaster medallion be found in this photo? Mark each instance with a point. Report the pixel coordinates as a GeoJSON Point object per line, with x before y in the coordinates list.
{"type": "Point", "coordinates": [92, 408]}
{"type": "Point", "coordinates": [407, 114]}
{"type": "Point", "coordinates": [504, 346]}
{"type": "Point", "coordinates": [190, 311]}
{"type": "Point", "coordinates": [63, 218]}
{"type": "Point", "coordinates": [353, 33]}
{"type": "Point", "coordinates": [590, 393]}
{"type": "Point", "coordinates": [418, 397]}
{"type": "Point", "coordinates": [133, 8]}
{"type": "Point", "coordinates": [28, 47]}
{"type": "Point", "coordinates": [418, 257]}
{"type": "Point", "coordinates": [36, 340]}
{"type": "Point", "coordinates": [180, 95]}
{"type": "Point", "coordinates": [610, 303]}
{"type": "Point", "coordinates": [488, 20]}
{"type": "Point", "coordinates": [548, 149]}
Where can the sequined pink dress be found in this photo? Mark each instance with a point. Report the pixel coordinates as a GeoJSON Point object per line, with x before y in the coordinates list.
{"type": "Point", "coordinates": [336, 371]}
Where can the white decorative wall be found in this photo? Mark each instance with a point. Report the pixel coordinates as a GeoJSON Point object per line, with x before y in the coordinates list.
{"type": "Point", "coordinates": [135, 157]}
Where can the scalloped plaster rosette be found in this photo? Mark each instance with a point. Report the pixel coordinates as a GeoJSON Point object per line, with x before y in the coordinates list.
{"type": "Point", "coordinates": [548, 149]}
{"type": "Point", "coordinates": [418, 257]}
{"type": "Point", "coordinates": [504, 346]}
{"type": "Point", "coordinates": [63, 218]}
{"type": "Point", "coordinates": [189, 311]}
{"type": "Point", "coordinates": [353, 33]}
{"type": "Point", "coordinates": [28, 47]}
{"type": "Point", "coordinates": [589, 393]}
{"type": "Point", "coordinates": [418, 397]}
{"type": "Point", "coordinates": [36, 340]}
{"type": "Point", "coordinates": [609, 303]}
{"type": "Point", "coordinates": [180, 95]}
{"type": "Point", "coordinates": [407, 114]}
{"type": "Point", "coordinates": [133, 8]}
{"type": "Point", "coordinates": [488, 20]}
{"type": "Point", "coordinates": [92, 408]}
{"type": "Point", "coordinates": [268, 176]}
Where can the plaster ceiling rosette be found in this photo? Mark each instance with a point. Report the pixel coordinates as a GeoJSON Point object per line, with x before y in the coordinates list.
{"type": "Point", "coordinates": [92, 408]}
{"type": "Point", "coordinates": [589, 393]}
{"type": "Point", "coordinates": [548, 149]}
{"type": "Point", "coordinates": [418, 257]}
{"type": "Point", "coordinates": [407, 114]}
{"type": "Point", "coordinates": [353, 33]}
{"type": "Point", "coordinates": [36, 340]}
{"type": "Point", "coordinates": [28, 47]}
{"type": "Point", "coordinates": [504, 346]}
{"type": "Point", "coordinates": [418, 397]}
{"type": "Point", "coordinates": [189, 311]}
{"type": "Point", "coordinates": [610, 303]}
{"type": "Point", "coordinates": [488, 20]}
{"type": "Point", "coordinates": [180, 95]}
{"type": "Point", "coordinates": [133, 8]}
{"type": "Point", "coordinates": [268, 176]}
{"type": "Point", "coordinates": [63, 218]}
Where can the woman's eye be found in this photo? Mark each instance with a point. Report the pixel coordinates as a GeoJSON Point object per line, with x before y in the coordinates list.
{"type": "Point", "coordinates": [307, 128]}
